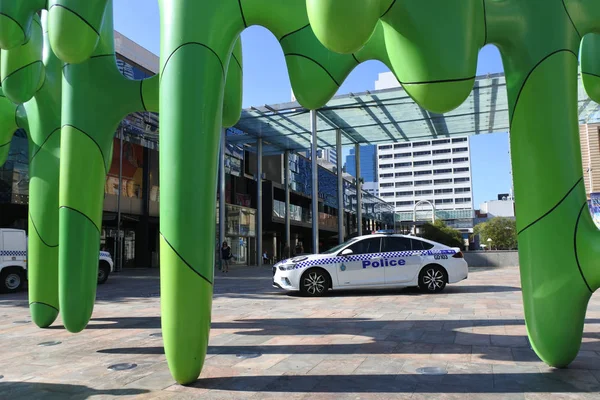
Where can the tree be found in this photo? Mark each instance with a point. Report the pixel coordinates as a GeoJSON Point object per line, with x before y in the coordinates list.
{"type": "Point", "coordinates": [442, 233]}
{"type": "Point", "coordinates": [502, 231]}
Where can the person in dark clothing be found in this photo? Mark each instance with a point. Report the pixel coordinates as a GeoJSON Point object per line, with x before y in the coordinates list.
{"type": "Point", "coordinates": [226, 256]}
{"type": "Point", "coordinates": [299, 249]}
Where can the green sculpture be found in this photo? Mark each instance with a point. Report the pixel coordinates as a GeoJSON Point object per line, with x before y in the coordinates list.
{"type": "Point", "coordinates": [431, 46]}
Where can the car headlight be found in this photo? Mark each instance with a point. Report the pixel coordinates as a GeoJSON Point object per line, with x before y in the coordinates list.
{"type": "Point", "coordinates": [286, 267]}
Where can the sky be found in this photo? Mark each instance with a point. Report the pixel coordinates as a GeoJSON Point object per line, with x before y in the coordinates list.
{"type": "Point", "coordinates": [266, 82]}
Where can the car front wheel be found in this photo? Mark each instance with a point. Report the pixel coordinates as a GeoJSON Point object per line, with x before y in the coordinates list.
{"type": "Point", "coordinates": [432, 279]}
{"type": "Point", "coordinates": [314, 283]}
{"type": "Point", "coordinates": [103, 272]}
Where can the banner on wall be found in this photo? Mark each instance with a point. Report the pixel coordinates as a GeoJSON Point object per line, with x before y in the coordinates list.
{"type": "Point", "coordinates": [133, 164]}
{"type": "Point", "coordinates": [595, 208]}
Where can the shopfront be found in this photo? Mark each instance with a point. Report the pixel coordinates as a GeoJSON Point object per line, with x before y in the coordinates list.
{"type": "Point", "coordinates": [240, 233]}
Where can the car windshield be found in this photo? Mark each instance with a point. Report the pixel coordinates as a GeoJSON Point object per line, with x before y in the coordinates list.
{"type": "Point", "coordinates": [339, 247]}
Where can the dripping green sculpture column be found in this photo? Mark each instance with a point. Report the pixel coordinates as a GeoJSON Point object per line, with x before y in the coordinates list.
{"type": "Point", "coordinates": [36, 83]}
{"type": "Point", "coordinates": [430, 45]}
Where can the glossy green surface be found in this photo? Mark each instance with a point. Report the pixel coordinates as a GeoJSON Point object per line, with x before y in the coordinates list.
{"type": "Point", "coordinates": [430, 45]}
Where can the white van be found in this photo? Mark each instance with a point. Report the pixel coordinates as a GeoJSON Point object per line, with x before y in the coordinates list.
{"type": "Point", "coordinates": [13, 261]}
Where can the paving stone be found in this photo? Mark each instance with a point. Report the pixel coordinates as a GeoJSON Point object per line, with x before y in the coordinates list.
{"type": "Point", "coordinates": [352, 345]}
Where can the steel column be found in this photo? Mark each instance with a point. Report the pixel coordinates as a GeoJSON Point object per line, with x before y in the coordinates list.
{"type": "Point", "coordinates": [315, 183]}
{"type": "Point", "coordinates": [119, 237]}
{"type": "Point", "coordinates": [340, 185]}
{"type": "Point", "coordinates": [259, 198]}
{"type": "Point", "coordinates": [358, 190]}
{"type": "Point", "coordinates": [222, 189]}
{"type": "Point", "coordinates": [286, 182]}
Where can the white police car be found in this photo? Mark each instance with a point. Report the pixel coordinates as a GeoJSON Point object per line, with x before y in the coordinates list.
{"type": "Point", "coordinates": [373, 261]}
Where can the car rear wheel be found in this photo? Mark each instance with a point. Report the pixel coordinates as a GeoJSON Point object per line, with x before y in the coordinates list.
{"type": "Point", "coordinates": [432, 279]}
{"type": "Point", "coordinates": [11, 280]}
{"type": "Point", "coordinates": [314, 283]}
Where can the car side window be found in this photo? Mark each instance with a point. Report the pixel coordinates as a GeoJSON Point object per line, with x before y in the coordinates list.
{"type": "Point", "coordinates": [420, 245]}
{"type": "Point", "coordinates": [367, 246]}
{"type": "Point", "coordinates": [393, 244]}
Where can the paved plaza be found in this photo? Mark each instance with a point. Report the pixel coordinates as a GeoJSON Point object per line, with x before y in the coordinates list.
{"type": "Point", "coordinates": [268, 345]}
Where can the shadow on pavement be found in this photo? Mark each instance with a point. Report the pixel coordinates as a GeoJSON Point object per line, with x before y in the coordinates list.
{"type": "Point", "coordinates": [403, 383]}
{"type": "Point", "coordinates": [30, 390]}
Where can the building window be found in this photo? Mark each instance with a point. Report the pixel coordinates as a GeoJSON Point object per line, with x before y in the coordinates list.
{"type": "Point", "coordinates": [387, 194]}
{"type": "Point", "coordinates": [404, 203]}
{"type": "Point", "coordinates": [442, 171]}
{"type": "Point", "coordinates": [423, 192]}
{"type": "Point", "coordinates": [386, 185]}
{"type": "Point", "coordinates": [421, 183]}
{"type": "Point", "coordinates": [441, 141]}
{"type": "Point", "coordinates": [401, 174]}
{"type": "Point", "coordinates": [462, 190]}
{"type": "Point", "coordinates": [460, 159]}
{"type": "Point", "coordinates": [442, 161]}
{"type": "Point", "coordinates": [444, 201]}
{"type": "Point", "coordinates": [442, 181]}
{"type": "Point", "coordinates": [443, 191]}
{"type": "Point", "coordinates": [442, 151]}
{"type": "Point", "coordinates": [421, 153]}
{"type": "Point", "coordinates": [464, 169]}
{"type": "Point", "coordinates": [459, 180]}
{"type": "Point", "coordinates": [459, 140]}
{"type": "Point", "coordinates": [419, 144]}
{"type": "Point", "coordinates": [421, 163]}
{"type": "Point", "coordinates": [460, 150]}
{"type": "Point", "coordinates": [385, 147]}
{"type": "Point", "coordinates": [402, 155]}
{"type": "Point", "coordinates": [400, 184]}
{"type": "Point", "coordinates": [463, 200]}
{"type": "Point", "coordinates": [386, 175]}
{"type": "Point", "coordinates": [420, 173]}
{"type": "Point", "coordinates": [401, 145]}
{"type": "Point", "coordinates": [384, 166]}
{"type": "Point", "coordinates": [403, 164]}
{"type": "Point", "coordinates": [385, 156]}
{"type": "Point", "coordinates": [404, 194]}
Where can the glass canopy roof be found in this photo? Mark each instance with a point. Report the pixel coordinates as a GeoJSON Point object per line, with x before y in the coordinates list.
{"type": "Point", "coordinates": [383, 116]}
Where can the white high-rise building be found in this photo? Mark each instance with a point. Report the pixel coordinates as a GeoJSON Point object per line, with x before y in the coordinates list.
{"type": "Point", "coordinates": [329, 155]}
{"type": "Point", "coordinates": [437, 170]}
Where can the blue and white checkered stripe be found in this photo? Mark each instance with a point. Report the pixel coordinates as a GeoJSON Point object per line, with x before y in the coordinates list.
{"type": "Point", "coordinates": [13, 253]}
{"type": "Point", "coordinates": [104, 254]}
{"type": "Point", "coordinates": [366, 257]}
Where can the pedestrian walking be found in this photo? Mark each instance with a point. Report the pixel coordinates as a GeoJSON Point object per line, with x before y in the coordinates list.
{"type": "Point", "coordinates": [225, 257]}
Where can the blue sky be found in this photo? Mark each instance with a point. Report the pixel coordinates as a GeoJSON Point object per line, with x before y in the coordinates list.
{"type": "Point", "coordinates": [266, 81]}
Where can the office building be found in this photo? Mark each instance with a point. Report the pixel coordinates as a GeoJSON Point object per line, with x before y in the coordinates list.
{"type": "Point", "coordinates": [589, 135]}
{"type": "Point", "coordinates": [329, 155]}
{"type": "Point", "coordinates": [503, 207]}
{"type": "Point", "coordinates": [368, 163]}
{"type": "Point", "coordinates": [436, 171]}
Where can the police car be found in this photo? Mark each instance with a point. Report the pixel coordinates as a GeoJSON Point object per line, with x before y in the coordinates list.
{"type": "Point", "coordinates": [373, 261]}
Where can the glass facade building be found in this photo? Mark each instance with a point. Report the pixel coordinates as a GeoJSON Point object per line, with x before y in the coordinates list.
{"type": "Point", "coordinates": [368, 163]}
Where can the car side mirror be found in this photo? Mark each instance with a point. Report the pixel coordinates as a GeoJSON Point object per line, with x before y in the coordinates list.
{"type": "Point", "coordinates": [346, 252]}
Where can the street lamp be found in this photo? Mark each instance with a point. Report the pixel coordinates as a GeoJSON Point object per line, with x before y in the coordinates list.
{"type": "Point", "coordinates": [490, 243]}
